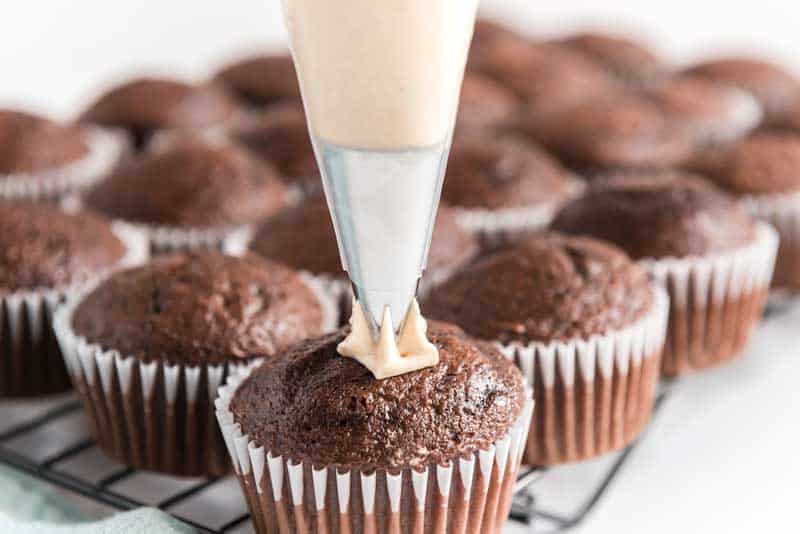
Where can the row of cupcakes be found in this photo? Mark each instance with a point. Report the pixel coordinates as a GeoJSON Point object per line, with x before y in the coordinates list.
{"type": "Point", "coordinates": [316, 441]}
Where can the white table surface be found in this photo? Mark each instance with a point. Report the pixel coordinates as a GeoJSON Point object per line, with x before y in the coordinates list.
{"type": "Point", "coordinates": [724, 455]}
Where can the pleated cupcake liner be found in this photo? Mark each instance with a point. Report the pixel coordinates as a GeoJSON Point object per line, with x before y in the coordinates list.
{"type": "Point", "coordinates": [106, 148]}
{"type": "Point", "coordinates": [716, 301]}
{"type": "Point", "coordinates": [154, 415]}
{"type": "Point", "coordinates": [745, 115]}
{"type": "Point", "coordinates": [468, 495]}
{"type": "Point", "coordinates": [501, 227]}
{"type": "Point", "coordinates": [594, 395]}
{"type": "Point", "coordinates": [169, 239]}
{"type": "Point", "coordinates": [31, 363]}
{"type": "Point", "coordinates": [782, 212]}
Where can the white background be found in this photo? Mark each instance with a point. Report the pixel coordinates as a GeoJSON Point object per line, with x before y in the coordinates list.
{"type": "Point", "coordinates": [724, 456]}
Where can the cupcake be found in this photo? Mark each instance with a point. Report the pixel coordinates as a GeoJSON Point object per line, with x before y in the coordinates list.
{"type": "Point", "coordinates": [484, 103]}
{"type": "Point", "coordinates": [763, 171]}
{"type": "Point", "coordinates": [261, 80]}
{"type": "Point", "coordinates": [318, 444]}
{"type": "Point", "coordinates": [494, 44]}
{"type": "Point", "coordinates": [317, 254]}
{"type": "Point", "coordinates": [280, 136]}
{"type": "Point", "coordinates": [192, 195]}
{"type": "Point", "coordinates": [41, 160]}
{"type": "Point", "coordinates": [148, 348]}
{"type": "Point", "coordinates": [620, 131]}
{"type": "Point", "coordinates": [46, 256]}
{"type": "Point", "coordinates": [145, 106]}
{"type": "Point", "coordinates": [715, 261]}
{"type": "Point", "coordinates": [503, 187]}
{"type": "Point", "coordinates": [713, 113]}
{"type": "Point", "coordinates": [775, 88]}
{"type": "Point", "coordinates": [788, 121]}
{"type": "Point", "coordinates": [586, 327]}
{"type": "Point", "coordinates": [548, 77]}
{"type": "Point", "coordinates": [627, 58]}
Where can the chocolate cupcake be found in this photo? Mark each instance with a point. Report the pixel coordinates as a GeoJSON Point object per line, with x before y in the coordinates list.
{"type": "Point", "coordinates": [715, 261]}
{"type": "Point", "coordinates": [148, 348]}
{"type": "Point", "coordinates": [319, 444]}
{"type": "Point", "coordinates": [789, 121]}
{"type": "Point", "coordinates": [192, 195]}
{"type": "Point", "coordinates": [632, 61]}
{"type": "Point", "coordinates": [46, 256]}
{"type": "Point", "coordinates": [484, 103]}
{"type": "Point", "coordinates": [280, 136]}
{"type": "Point", "coordinates": [144, 106]}
{"type": "Point", "coordinates": [261, 80]}
{"type": "Point", "coordinates": [548, 77]}
{"type": "Point", "coordinates": [620, 131]}
{"type": "Point", "coordinates": [493, 44]}
{"type": "Point", "coordinates": [712, 112]}
{"type": "Point", "coordinates": [763, 171]}
{"type": "Point", "coordinates": [585, 325]}
{"type": "Point", "coordinates": [41, 160]}
{"type": "Point", "coordinates": [504, 188]}
{"type": "Point", "coordinates": [776, 89]}
{"type": "Point", "coordinates": [317, 254]}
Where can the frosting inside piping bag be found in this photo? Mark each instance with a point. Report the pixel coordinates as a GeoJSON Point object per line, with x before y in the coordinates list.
{"type": "Point", "coordinates": [390, 356]}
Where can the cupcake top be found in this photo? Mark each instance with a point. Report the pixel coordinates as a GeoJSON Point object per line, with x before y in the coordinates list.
{"type": "Point", "coordinates": [773, 86]}
{"type": "Point", "coordinates": [550, 77]}
{"type": "Point", "coordinates": [43, 247]}
{"type": "Point", "coordinates": [763, 163]}
{"type": "Point", "coordinates": [486, 173]}
{"type": "Point", "coordinates": [712, 111]}
{"type": "Point", "coordinates": [313, 405]}
{"type": "Point", "coordinates": [625, 131]}
{"type": "Point", "coordinates": [30, 143]}
{"type": "Point", "coordinates": [200, 308]}
{"type": "Point", "coordinates": [261, 80]}
{"type": "Point", "coordinates": [484, 102]}
{"type": "Point", "coordinates": [318, 253]}
{"type": "Point", "coordinates": [144, 105]}
{"type": "Point", "coordinates": [548, 288]}
{"type": "Point", "coordinates": [658, 216]}
{"type": "Point", "coordinates": [280, 136]}
{"type": "Point", "coordinates": [191, 185]}
{"type": "Point", "coordinates": [624, 57]}
{"type": "Point", "coordinates": [493, 45]}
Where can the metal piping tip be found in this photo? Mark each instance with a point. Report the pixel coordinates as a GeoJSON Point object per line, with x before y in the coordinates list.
{"type": "Point", "coordinates": [383, 205]}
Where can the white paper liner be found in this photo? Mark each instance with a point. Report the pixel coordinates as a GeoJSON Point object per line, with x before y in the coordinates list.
{"type": "Point", "coordinates": [575, 375]}
{"type": "Point", "coordinates": [468, 495]}
{"type": "Point", "coordinates": [106, 147]}
{"type": "Point", "coordinates": [35, 363]}
{"type": "Point", "coordinates": [169, 239]}
{"type": "Point", "coordinates": [716, 301]}
{"type": "Point", "coordinates": [745, 113]}
{"type": "Point", "coordinates": [515, 219]}
{"type": "Point", "coordinates": [497, 227]}
{"type": "Point", "coordinates": [153, 416]}
{"type": "Point", "coordinates": [782, 211]}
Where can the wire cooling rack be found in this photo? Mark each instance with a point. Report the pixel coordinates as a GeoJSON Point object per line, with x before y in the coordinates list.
{"type": "Point", "coordinates": [50, 440]}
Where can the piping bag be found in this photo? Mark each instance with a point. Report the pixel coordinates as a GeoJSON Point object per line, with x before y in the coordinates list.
{"type": "Point", "coordinates": [380, 81]}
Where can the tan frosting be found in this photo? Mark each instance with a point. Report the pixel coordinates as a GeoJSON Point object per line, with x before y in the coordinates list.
{"type": "Point", "coordinates": [377, 74]}
{"type": "Point", "coordinates": [387, 356]}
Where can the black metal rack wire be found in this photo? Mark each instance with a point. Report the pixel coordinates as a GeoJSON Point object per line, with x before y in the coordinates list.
{"type": "Point", "coordinates": [51, 443]}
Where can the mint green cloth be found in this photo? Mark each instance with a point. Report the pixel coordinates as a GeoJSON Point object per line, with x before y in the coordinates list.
{"type": "Point", "coordinates": [144, 520]}
{"type": "Point", "coordinates": [28, 506]}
